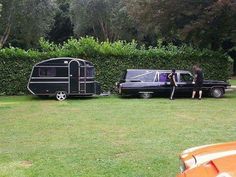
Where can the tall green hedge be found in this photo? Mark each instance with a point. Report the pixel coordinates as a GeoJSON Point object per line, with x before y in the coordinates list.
{"type": "Point", "coordinates": [110, 59]}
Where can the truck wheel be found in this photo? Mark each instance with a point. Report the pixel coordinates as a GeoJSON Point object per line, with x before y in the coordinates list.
{"type": "Point", "coordinates": [145, 95]}
{"type": "Point", "coordinates": [217, 92]}
{"type": "Point", "coordinates": [61, 95]}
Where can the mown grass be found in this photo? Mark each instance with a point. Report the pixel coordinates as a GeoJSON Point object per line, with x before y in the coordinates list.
{"type": "Point", "coordinates": [107, 136]}
{"type": "Point", "coordinates": [233, 81]}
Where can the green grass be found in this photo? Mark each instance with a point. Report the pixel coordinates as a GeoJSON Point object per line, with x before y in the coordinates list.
{"type": "Point", "coordinates": [233, 81]}
{"type": "Point", "coordinates": [107, 136]}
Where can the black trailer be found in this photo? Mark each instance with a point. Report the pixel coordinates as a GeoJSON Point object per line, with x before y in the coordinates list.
{"type": "Point", "coordinates": [62, 77]}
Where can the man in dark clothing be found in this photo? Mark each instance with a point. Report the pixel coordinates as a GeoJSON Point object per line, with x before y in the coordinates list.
{"type": "Point", "coordinates": [172, 77]}
{"type": "Point", "coordinates": [198, 80]}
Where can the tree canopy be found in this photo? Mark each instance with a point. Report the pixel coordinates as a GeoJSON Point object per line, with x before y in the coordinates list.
{"type": "Point", "coordinates": [105, 19]}
{"type": "Point", "coordinates": [24, 22]}
{"type": "Point", "coordinates": [203, 23]}
{"type": "Point", "coordinates": [0, 9]}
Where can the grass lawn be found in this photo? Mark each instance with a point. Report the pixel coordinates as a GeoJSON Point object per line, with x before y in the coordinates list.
{"type": "Point", "coordinates": [107, 136]}
{"type": "Point", "coordinates": [233, 80]}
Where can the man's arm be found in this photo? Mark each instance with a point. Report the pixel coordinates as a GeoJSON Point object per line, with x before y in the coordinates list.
{"type": "Point", "coordinates": [195, 77]}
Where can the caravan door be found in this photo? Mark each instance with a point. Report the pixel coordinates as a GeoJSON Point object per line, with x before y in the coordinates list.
{"type": "Point", "coordinates": [74, 77]}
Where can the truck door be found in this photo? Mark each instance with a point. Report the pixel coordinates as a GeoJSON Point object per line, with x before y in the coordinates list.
{"type": "Point", "coordinates": [164, 83]}
{"type": "Point", "coordinates": [185, 84]}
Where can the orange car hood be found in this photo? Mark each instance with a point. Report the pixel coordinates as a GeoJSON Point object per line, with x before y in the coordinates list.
{"type": "Point", "coordinates": [199, 155]}
{"type": "Point", "coordinates": [222, 167]}
{"type": "Point", "coordinates": [226, 165]}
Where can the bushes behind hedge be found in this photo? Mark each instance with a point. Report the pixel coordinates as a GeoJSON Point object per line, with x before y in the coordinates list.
{"type": "Point", "coordinates": [110, 59]}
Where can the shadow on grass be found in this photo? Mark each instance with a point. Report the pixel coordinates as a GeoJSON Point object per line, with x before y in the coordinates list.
{"type": "Point", "coordinates": [165, 96]}
{"type": "Point", "coordinates": [48, 98]}
{"type": "Point", "coordinates": [228, 95]}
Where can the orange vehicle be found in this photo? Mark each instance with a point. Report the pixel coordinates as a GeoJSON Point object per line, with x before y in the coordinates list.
{"type": "Point", "coordinates": [216, 160]}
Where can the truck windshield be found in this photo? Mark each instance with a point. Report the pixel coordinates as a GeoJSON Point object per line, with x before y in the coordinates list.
{"type": "Point", "coordinates": [140, 75]}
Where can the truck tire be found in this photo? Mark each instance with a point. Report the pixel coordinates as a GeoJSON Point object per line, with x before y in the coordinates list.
{"type": "Point", "coordinates": [145, 95]}
{"type": "Point", "coordinates": [217, 92]}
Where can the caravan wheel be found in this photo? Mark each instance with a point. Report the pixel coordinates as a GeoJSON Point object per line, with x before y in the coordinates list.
{"type": "Point", "coordinates": [61, 95]}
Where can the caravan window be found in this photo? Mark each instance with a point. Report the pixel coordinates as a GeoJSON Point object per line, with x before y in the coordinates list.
{"type": "Point", "coordinates": [141, 75]}
{"type": "Point", "coordinates": [82, 74]}
{"type": "Point", "coordinates": [87, 72]}
{"type": "Point", "coordinates": [47, 72]}
{"type": "Point", "coordinates": [90, 72]}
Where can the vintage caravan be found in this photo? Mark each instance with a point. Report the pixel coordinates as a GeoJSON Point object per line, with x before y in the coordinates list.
{"type": "Point", "coordinates": [63, 77]}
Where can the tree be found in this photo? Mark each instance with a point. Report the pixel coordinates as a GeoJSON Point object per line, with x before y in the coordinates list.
{"type": "Point", "coordinates": [215, 25]}
{"type": "Point", "coordinates": [143, 13]}
{"type": "Point", "coordinates": [201, 23]}
{"type": "Point", "coordinates": [24, 22]}
{"type": "Point", "coordinates": [105, 19]}
{"type": "Point", "coordinates": [62, 28]}
{"type": "Point", "coordinates": [0, 9]}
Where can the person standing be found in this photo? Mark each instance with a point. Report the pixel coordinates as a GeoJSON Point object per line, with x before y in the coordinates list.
{"type": "Point", "coordinates": [198, 81]}
{"type": "Point", "coordinates": [172, 77]}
